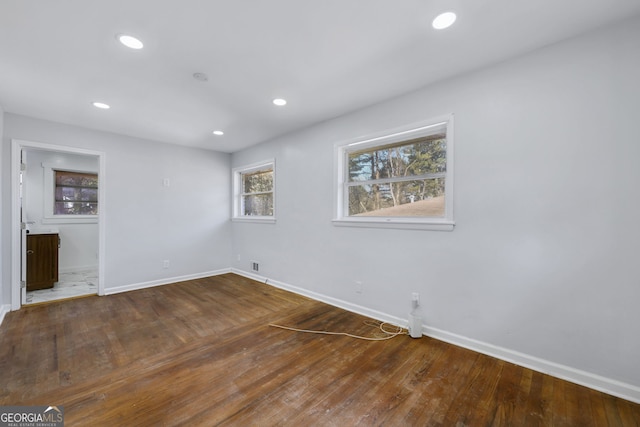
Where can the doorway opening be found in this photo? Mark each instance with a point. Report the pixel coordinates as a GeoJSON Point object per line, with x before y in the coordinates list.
{"type": "Point", "coordinates": [58, 228]}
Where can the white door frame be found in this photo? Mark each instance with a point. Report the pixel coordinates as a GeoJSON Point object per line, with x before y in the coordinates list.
{"type": "Point", "coordinates": [17, 146]}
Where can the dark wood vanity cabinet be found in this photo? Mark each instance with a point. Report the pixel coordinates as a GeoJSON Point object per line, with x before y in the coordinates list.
{"type": "Point", "coordinates": [42, 261]}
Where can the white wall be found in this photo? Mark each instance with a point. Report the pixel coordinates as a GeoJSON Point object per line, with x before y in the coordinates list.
{"type": "Point", "coordinates": [146, 223]}
{"type": "Point", "coordinates": [5, 296]}
{"type": "Point", "coordinates": [542, 266]}
{"type": "Point", "coordinates": [78, 240]}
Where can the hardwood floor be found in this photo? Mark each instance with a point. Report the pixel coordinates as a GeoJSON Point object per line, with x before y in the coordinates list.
{"type": "Point", "coordinates": [202, 353]}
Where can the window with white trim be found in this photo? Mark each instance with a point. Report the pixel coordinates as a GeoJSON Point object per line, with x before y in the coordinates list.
{"type": "Point", "coordinates": [254, 192]}
{"type": "Point", "coordinates": [400, 179]}
{"type": "Point", "coordinates": [70, 195]}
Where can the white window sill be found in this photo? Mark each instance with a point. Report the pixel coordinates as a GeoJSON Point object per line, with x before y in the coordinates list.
{"type": "Point", "coordinates": [71, 219]}
{"type": "Point", "coordinates": [256, 219]}
{"type": "Point", "coordinates": [397, 223]}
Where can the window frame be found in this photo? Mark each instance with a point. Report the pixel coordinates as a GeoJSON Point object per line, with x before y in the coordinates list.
{"type": "Point", "coordinates": [237, 174]}
{"type": "Point", "coordinates": [393, 136]}
{"type": "Point", "coordinates": [49, 215]}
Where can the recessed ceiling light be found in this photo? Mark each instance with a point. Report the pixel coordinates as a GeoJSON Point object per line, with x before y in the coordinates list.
{"type": "Point", "coordinates": [218, 132]}
{"type": "Point", "coordinates": [101, 105]}
{"type": "Point", "coordinates": [444, 20]}
{"type": "Point", "coordinates": [280, 102]}
{"type": "Point", "coordinates": [130, 41]}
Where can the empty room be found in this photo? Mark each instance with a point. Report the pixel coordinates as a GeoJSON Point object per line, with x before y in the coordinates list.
{"type": "Point", "coordinates": [337, 213]}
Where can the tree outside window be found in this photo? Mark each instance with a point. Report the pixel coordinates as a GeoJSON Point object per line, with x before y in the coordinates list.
{"type": "Point", "coordinates": [257, 193]}
{"type": "Point", "coordinates": [254, 192]}
{"type": "Point", "coordinates": [399, 179]}
{"type": "Point", "coordinates": [402, 179]}
{"type": "Point", "coordinates": [76, 193]}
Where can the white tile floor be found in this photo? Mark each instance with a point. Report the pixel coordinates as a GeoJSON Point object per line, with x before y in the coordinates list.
{"type": "Point", "coordinates": [69, 285]}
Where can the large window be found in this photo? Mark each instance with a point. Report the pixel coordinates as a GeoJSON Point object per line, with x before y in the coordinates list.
{"type": "Point", "coordinates": [76, 193]}
{"type": "Point", "coordinates": [402, 179]}
{"type": "Point", "coordinates": [254, 191]}
{"type": "Point", "coordinates": [70, 195]}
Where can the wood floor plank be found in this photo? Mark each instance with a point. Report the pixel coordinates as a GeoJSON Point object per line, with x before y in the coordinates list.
{"type": "Point", "coordinates": [202, 353]}
{"type": "Point", "coordinates": [505, 397]}
{"type": "Point", "coordinates": [629, 416]}
{"type": "Point", "coordinates": [471, 407]}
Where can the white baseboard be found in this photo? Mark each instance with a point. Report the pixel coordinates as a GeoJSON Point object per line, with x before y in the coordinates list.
{"type": "Point", "coordinates": [354, 308]}
{"type": "Point", "coordinates": [4, 309]}
{"type": "Point", "coordinates": [577, 376]}
{"type": "Point", "coordinates": [165, 281]}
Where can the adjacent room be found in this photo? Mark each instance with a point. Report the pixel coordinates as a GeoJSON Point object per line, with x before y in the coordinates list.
{"type": "Point", "coordinates": [294, 213]}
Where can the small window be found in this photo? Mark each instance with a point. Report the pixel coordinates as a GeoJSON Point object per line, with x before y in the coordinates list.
{"type": "Point", "coordinates": [402, 179]}
{"type": "Point", "coordinates": [76, 193]}
{"type": "Point", "coordinates": [254, 191]}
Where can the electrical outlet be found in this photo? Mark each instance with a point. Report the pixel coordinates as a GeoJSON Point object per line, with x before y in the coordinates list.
{"type": "Point", "coordinates": [165, 263]}
{"type": "Point", "coordinates": [359, 287]}
{"type": "Point", "coordinates": [415, 297]}
{"type": "Point", "coordinates": [255, 266]}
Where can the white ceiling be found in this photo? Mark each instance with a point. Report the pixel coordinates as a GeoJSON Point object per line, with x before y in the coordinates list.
{"type": "Point", "coordinates": [325, 57]}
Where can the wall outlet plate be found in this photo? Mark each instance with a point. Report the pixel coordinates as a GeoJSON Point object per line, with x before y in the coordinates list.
{"type": "Point", "coordinates": [359, 287]}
